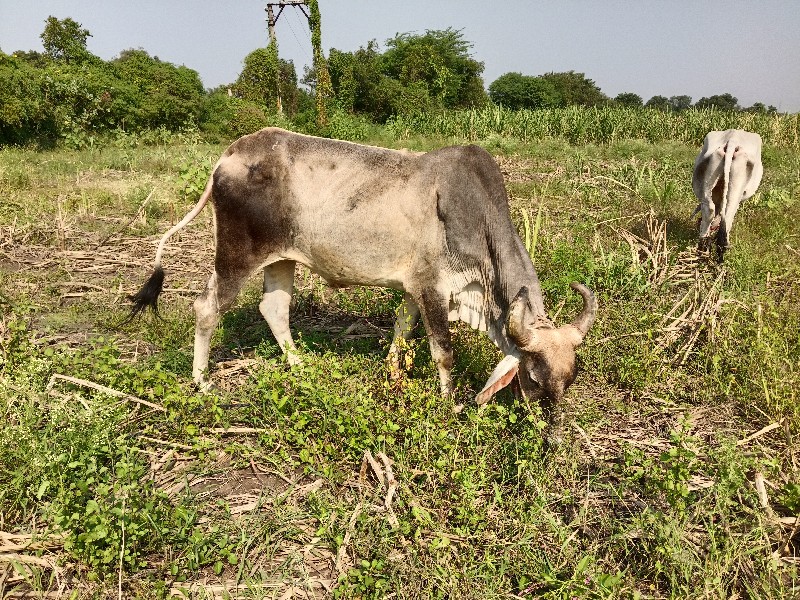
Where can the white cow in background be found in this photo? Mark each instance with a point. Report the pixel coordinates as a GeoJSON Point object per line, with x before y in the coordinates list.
{"type": "Point", "coordinates": [727, 171]}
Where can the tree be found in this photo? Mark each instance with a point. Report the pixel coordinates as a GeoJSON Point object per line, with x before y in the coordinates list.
{"type": "Point", "coordinates": [415, 73]}
{"type": "Point", "coordinates": [679, 103]}
{"type": "Point", "coordinates": [760, 108]}
{"type": "Point", "coordinates": [576, 88]}
{"type": "Point", "coordinates": [64, 40]}
{"type": "Point", "coordinates": [515, 91]}
{"type": "Point", "coordinates": [256, 83]}
{"type": "Point", "coordinates": [628, 99]}
{"type": "Point", "coordinates": [721, 101]}
{"type": "Point", "coordinates": [323, 90]}
{"type": "Point", "coordinates": [659, 102]}
{"type": "Point", "coordinates": [25, 114]}
{"type": "Point", "coordinates": [168, 96]}
{"type": "Point", "coordinates": [438, 61]}
{"type": "Point", "coordinates": [33, 58]}
{"type": "Point", "coordinates": [359, 86]}
{"type": "Point", "coordinates": [343, 82]}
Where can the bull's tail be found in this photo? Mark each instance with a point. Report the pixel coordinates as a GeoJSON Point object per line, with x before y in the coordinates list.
{"type": "Point", "coordinates": [730, 149]}
{"type": "Point", "coordinates": [147, 297]}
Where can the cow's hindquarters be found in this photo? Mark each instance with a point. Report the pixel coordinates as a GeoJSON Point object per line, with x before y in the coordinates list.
{"type": "Point", "coordinates": [727, 171]}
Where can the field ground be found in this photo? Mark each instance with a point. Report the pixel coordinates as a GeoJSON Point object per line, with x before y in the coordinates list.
{"type": "Point", "coordinates": [678, 478]}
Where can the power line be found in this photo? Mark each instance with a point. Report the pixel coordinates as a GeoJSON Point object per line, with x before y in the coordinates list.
{"type": "Point", "coordinates": [299, 43]}
{"type": "Point", "coordinates": [272, 18]}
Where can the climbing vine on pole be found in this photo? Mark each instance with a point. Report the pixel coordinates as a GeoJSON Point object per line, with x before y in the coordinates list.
{"type": "Point", "coordinates": [274, 66]}
{"type": "Point", "coordinates": [324, 87]}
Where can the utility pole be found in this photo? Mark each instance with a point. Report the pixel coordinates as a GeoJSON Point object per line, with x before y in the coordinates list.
{"type": "Point", "coordinates": [271, 21]}
{"type": "Point", "coordinates": [272, 18]}
{"type": "Point", "coordinates": [314, 25]}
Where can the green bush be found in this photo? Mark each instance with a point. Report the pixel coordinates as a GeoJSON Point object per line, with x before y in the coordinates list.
{"type": "Point", "coordinates": [516, 91]}
{"type": "Point", "coordinates": [44, 101]}
{"type": "Point", "coordinates": [24, 113]}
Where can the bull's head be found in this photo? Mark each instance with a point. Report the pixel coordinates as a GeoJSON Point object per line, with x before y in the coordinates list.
{"type": "Point", "coordinates": [545, 364]}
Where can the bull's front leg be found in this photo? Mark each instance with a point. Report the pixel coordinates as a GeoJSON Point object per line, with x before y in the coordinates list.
{"type": "Point", "coordinates": [407, 317]}
{"type": "Point", "coordinates": [707, 211]}
{"type": "Point", "coordinates": [433, 307]}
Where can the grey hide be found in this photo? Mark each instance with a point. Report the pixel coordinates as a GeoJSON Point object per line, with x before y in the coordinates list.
{"type": "Point", "coordinates": [435, 226]}
{"type": "Point", "coordinates": [726, 172]}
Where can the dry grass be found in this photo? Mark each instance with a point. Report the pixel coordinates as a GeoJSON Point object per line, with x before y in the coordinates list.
{"type": "Point", "coordinates": [580, 500]}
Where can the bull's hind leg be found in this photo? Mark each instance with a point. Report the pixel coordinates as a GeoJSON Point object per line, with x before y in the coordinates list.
{"type": "Point", "coordinates": [740, 171]}
{"type": "Point", "coordinates": [707, 186]}
{"type": "Point", "coordinates": [723, 234]}
{"type": "Point", "coordinates": [219, 295]}
{"type": "Point", "coordinates": [407, 317]}
{"type": "Point", "coordinates": [711, 209]}
{"type": "Point", "coordinates": [278, 286]}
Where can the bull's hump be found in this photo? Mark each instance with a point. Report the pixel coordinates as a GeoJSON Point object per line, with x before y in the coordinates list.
{"type": "Point", "coordinates": [301, 145]}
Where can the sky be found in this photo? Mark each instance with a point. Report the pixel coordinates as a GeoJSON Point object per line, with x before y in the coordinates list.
{"type": "Point", "coordinates": [698, 48]}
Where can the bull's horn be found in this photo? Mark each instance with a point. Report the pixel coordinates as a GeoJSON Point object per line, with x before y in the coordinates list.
{"type": "Point", "coordinates": [515, 323]}
{"type": "Point", "coordinates": [584, 320]}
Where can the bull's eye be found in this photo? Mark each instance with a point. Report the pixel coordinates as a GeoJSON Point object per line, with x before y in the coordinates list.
{"type": "Point", "coordinates": [532, 377]}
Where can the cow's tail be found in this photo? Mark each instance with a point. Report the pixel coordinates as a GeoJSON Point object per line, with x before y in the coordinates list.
{"type": "Point", "coordinates": [147, 296]}
{"type": "Point", "coordinates": [730, 149]}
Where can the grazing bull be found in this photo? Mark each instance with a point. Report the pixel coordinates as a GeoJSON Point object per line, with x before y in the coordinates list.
{"type": "Point", "coordinates": [727, 171]}
{"type": "Point", "coordinates": [435, 226]}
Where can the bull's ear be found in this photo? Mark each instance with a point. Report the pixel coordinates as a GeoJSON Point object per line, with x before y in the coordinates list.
{"type": "Point", "coordinates": [571, 334]}
{"type": "Point", "coordinates": [502, 375]}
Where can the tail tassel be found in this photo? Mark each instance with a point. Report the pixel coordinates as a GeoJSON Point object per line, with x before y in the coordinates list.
{"type": "Point", "coordinates": [147, 297]}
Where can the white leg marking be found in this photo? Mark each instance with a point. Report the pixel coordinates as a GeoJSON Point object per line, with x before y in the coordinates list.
{"type": "Point", "coordinates": [444, 364]}
{"type": "Point", "coordinates": [206, 312]}
{"type": "Point", "coordinates": [274, 307]}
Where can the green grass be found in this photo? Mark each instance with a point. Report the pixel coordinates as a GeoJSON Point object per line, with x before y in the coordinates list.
{"type": "Point", "coordinates": [263, 484]}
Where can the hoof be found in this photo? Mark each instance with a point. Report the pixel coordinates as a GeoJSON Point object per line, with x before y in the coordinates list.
{"type": "Point", "coordinates": [554, 438]}
{"type": "Point", "coordinates": [206, 387]}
